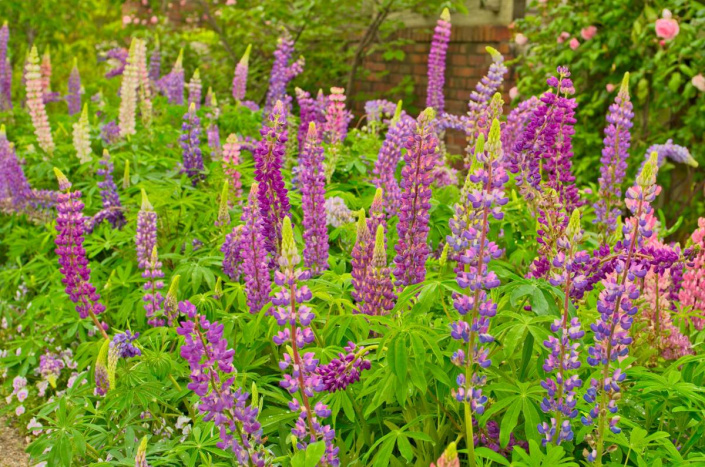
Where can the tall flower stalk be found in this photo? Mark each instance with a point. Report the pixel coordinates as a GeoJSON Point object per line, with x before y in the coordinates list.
{"type": "Point", "coordinates": [70, 226]}
{"type": "Point", "coordinates": [240, 76]}
{"type": "Point", "coordinates": [437, 63]}
{"type": "Point", "coordinates": [476, 309]}
{"type": "Point", "coordinates": [35, 103]}
{"type": "Point", "coordinates": [128, 93]}
{"type": "Point", "coordinates": [421, 157]}
{"type": "Point", "coordinates": [82, 137]}
{"type": "Point", "coordinates": [255, 266]}
{"type": "Point", "coordinates": [5, 70]}
{"type": "Point", "coordinates": [195, 89]}
{"type": "Point", "coordinates": [109, 194]}
{"type": "Point", "coordinates": [231, 161]}
{"type": "Point", "coordinates": [295, 317]}
{"type": "Point", "coordinates": [313, 189]}
{"type": "Point", "coordinates": [190, 144]}
{"type": "Point", "coordinates": [614, 160]}
{"type": "Point", "coordinates": [335, 127]}
{"type": "Point", "coordinates": [146, 234]}
{"type": "Point", "coordinates": [283, 71]}
{"type": "Point", "coordinates": [378, 294]}
{"type": "Point", "coordinates": [361, 257]}
{"type": "Point", "coordinates": [617, 306]}
{"type": "Point", "coordinates": [73, 97]}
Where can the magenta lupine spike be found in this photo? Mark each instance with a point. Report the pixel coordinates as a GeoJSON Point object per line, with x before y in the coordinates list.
{"type": "Point", "coordinates": [255, 265]}
{"type": "Point", "coordinates": [617, 306]}
{"type": "Point", "coordinates": [190, 140]}
{"type": "Point", "coordinates": [273, 196]}
{"type": "Point", "coordinates": [295, 318]}
{"type": "Point", "coordinates": [485, 201]}
{"type": "Point", "coordinates": [421, 157]}
{"type": "Point", "coordinates": [212, 377]}
{"type": "Point", "coordinates": [563, 354]}
{"type": "Point", "coordinates": [613, 162]}
{"type": "Point", "coordinates": [155, 63]}
{"type": "Point", "coordinates": [73, 98]}
{"type": "Point", "coordinates": [146, 235]}
{"type": "Point", "coordinates": [516, 122]}
{"type": "Point", "coordinates": [361, 257]}
{"type": "Point", "coordinates": [109, 194]}
{"type": "Point", "coordinates": [5, 70]}
{"type": "Point", "coordinates": [692, 292]}
{"type": "Point", "coordinates": [378, 291]}
{"type": "Point", "coordinates": [345, 370]}
{"type": "Point", "coordinates": [377, 214]}
{"type": "Point", "coordinates": [282, 73]}
{"type": "Point", "coordinates": [337, 118]}
{"type": "Point", "coordinates": [437, 63]}
{"type": "Point", "coordinates": [15, 190]}
{"type": "Point", "coordinates": [385, 169]}
{"type": "Point", "coordinates": [231, 161]}
{"type": "Point", "coordinates": [313, 189]}
{"type": "Point", "coordinates": [240, 76]}
{"type": "Point", "coordinates": [70, 225]}
{"type": "Point", "coordinates": [35, 103]}
{"type": "Point", "coordinates": [153, 298]}
{"type": "Point", "coordinates": [195, 89]}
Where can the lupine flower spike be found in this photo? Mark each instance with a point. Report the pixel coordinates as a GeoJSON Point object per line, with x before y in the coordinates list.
{"type": "Point", "coordinates": [295, 318]}
{"type": "Point", "coordinates": [73, 97]}
{"type": "Point", "coordinates": [128, 93]}
{"type": "Point", "coordinates": [313, 188]}
{"type": "Point", "coordinates": [195, 89]}
{"type": "Point", "coordinates": [82, 137]}
{"type": "Point", "coordinates": [378, 291]}
{"type": "Point", "coordinates": [141, 456]}
{"type": "Point", "coordinates": [231, 161]}
{"type": "Point", "coordinates": [112, 207]}
{"type": "Point", "coordinates": [223, 208]}
{"type": "Point", "coordinates": [437, 63]}
{"type": "Point", "coordinates": [5, 70]}
{"type": "Point", "coordinates": [70, 225]}
{"type": "Point", "coordinates": [282, 73]}
{"type": "Point", "coordinates": [361, 257]}
{"type": "Point", "coordinates": [377, 214]}
{"type": "Point", "coordinates": [35, 103]}
{"type": "Point", "coordinates": [692, 292]}
{"type": "Point", "coordinates": [258, 283]}
{"type": "Point", "coordinates": [146, 236]}
{"type": "Point", "coordinates": [190, 144]}
{"type": "Point", "coordinates": [240, 77]}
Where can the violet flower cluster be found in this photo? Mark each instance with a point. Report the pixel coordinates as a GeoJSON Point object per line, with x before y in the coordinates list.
{"type": "Point", "coordinates": [313, 189]}
{"type": "Point", "coordinates": [123, 344]}
{"type": "Point", "coordinates": [15, 190]}
{"type": "Point", "coordinates": [378, 111]}
{"type": "Point", "coordinates": [614, 160]}
{"type": "Point", "coordinates": [309, 113]}
{"type": "Point", "coordinates": [273, 196]}
{"type": "Point", "coordinates": [118, 55]}
{"type": "Point", "coordinates": [240, 76]}
{"type": "Point", "coordinates": [421, 157]}
{"type": "Point", "coordinates": [212, 379]}
{"type": "Point", "coordinates": [148, 261]}
{"type": "Point", "coordinates": [255, 265]}
{"type": "Point", "coordinates": [155, 64]}
{"type": "Point", "coordinates": [190, 141]}
{"type": "Point", "coordinates": [516, 122]}
{"type": "Point", "coordinates": [295, 318]}
{"type": "Point", "coordinates": [437, 63]}
{"type": "Point", "coordinates": [109, 194]}
{"type": "Point", "coordinates": [232, 253]}
{"type": "Point", "coordinates": [282, 72]}
{"type": "Point", "coordinates": [73, 98]}
{"type": "Point", "coordinates": [344, 370]}
{"type": "Point", "coordinates": [671, 151]}
{"type": "Point", "coordinates": [172, 84]}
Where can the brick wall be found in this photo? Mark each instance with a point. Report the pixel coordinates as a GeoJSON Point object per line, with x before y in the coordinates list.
{"type": "Point", "coordinates": [466, 63]}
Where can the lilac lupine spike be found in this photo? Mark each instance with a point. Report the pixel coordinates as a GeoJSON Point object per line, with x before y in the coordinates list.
{"type": "Point", "coordinates": [437, 63]}
{"type": "Point", "coordinates": [273, 196]}
{"type": "Point", "coordinates": [73, 97]}
{"type": "Point", "coordinates": [613, 162]}
{"type": "Point", "coordinates": [421, 157]}
{"type": "Point", "coordinates": [671, 151]}
{"type": "Point", "coordinates": [378, 111]}
{"type": "Point", "coordinates": [15, 190]}
{"type": "Point", "coordinates": [232, 253]}
{"type": "Point", "coordinates": [563, 355]}
{"type": "Point", "coordinates": [109, 194]}
{"type": "Point", "coordinates": [516, 122]}
{"type": "Point", "coordinates": [155, 63]}
{"type": "Point", "coordinates": [5, 70]}
{"type": "Point", "coordinates": [70, 225]}
{"type": "Point", "coordinates": [146, 234]}
{"type": "Point", "coordinates": [345, 370]}
{"type": "Point", "coordinates": [385, 169]}
{"type": "Point", "coordinates": [119, 57]}
{"type": "Point", "coordinates": [476, 309]}
{"type": "Point", "coordinates": [282, 72]}
{"type": "Point", "coordinates": [313, 189]}
{"type": "Point", "coordinates": [308, 112]}
{"type": "Point", "coordinates": [361, 257]}
{"type": "Point", "coordinates": [295, 318]}
{"type": "Point", "coordinates": [190, 144]}
{"type": "Point", "coordinates": [378, 292]}
{"type": "Point", "coordinates": [240, 76]}
{"type": "Point", "coordinates": [617, 306]}
{"type": "Point", "coordinates": [212, 377]}
{"type": "Point", "coordinates": [172, 84]}
{"type": "Point", "coordinates": [552, 220]}
{"type": "Point", "coordinates": [35, 103]}
{"type": "Point", "coordinates": [195, 89]}
{"type": "Point", "coordinates": [255, 265]}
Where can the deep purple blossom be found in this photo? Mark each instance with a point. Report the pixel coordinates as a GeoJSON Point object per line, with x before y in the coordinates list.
{"type": "Point", "coordinates": [516, 122]}
{"type": "Point", "coordinates": [190, 143]}
{"type": "Point", "coordinates": [344, 370]}
{"type": "Point", "coordinates": [15, 191]}
{"type": "Point", "coordinates": [308, 113]}
{"type": "Point", "coordinates": [232, 253]}
{"type": "Point", "coordinates": [437, 63]}
{"type": "Point", "coordinates": [146, 235]}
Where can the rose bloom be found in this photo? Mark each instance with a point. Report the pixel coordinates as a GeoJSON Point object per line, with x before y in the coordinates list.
{"type": "Point", "coordinates": [574, 43]}
{"type": "Point", "coordinates": [126, 19]}
{"type": "Point", "coordinates": [513, 93]}
{"type": "Point", "coordinates": [667, 28]}
{"type": "Point", "coordinates": [564, 35]}
{"type": "Point", "coordinates": [610, 87]}
{"type": "Point", "coordinates": [588, 32]}
{"type": "Point", "coordinates": [699, 82]}
{"type": "Point", "coordinates": [521, 39]}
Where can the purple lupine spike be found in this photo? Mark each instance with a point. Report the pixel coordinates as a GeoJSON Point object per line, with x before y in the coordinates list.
{"type": "Point", "coordinates": [5, 70]}
{"type": "Point", "coordinates": [118, 55]}
{"type": "Point", "coordinates": [195, 89]}
{"type": "Point", "coordinates": [437, 63]}
{"type": "Point", "coordinates": [485, 201]}
{"type": "Point", "coordinates": [153, 298]}
{"type": "Point", "coordinates": [421, 157]}
{"type": "Point", "coordinates": [385, 169]}
{"type": "Point", "coordinates": [614, 160]}
{"type": "Point", "coordinates": [552, 220]}
{"type": "Point", "coordinates": [190, 140]}
{"type": "Point", "coordinates": [15, 190]}
{"type": "Point", "coordinates": [110, 133]}
{"type": "Point", "coordinates": [240, 76]}
{"type": "Point", "coordinates": [377, 214]}
{"type": "Point", "coordinates": [617, 305]}
{"type": "Point", "coordinates": [70, 225]}
{"type": "Point", "coordinates": [563, 350]}
{"type": "Point", "coordinates": [516, 122]}
{"type": "Point", "coordinates": [172, 84]}
{"type": "Point", "coordinates": [146, 235]}
{"type": "Point", "coordinates": [73, 98]}
{"type": "Point", "coordinates": [109, 194]}
{"type": "Point", "coordinates": [345, 370]}
{"type": "Point", "coordinates": [379, 111]}
{"type": "Point", "coordinates": [671, 151]}
{"type": "Point", "coordinates": [155, 63]}
{"type": "Point", "coordinates": [212, 377]}
{"type": "Point", "coordinates": [273, 196]}
{"type": "Point", "coordinates": [282, 73]}
{"type": "Point", "coordinates": [213, 134]}
{"type": "Point", "coordinates": [313, 189]}
{"type": "Point", "coordinates": [309, 112]}
{"type": "Point", "coordinates": [124, 343]}
{"type": "Point", "coordinates": [378, 291]}
{"type": "Point", "coordinates": [232, 253]}
{"type": "Point", "coordinates": [255, 266]}
{"type": "Point", "coordinates": [295, 317]}
{"type": "Point", "coordinates": [361, 257]}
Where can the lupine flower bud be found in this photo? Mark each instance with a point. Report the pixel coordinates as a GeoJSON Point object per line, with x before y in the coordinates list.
{"type": "Point", "coordinates": [223, 209]}
{"type": "Point", "coordinates": [128, 93]}
{"type": "Point", "coordinates": [377, 215]}
{"type": "Point", "coordinates": [73, 98]}
{"type": "Point", "coordinates": [240, 77]}
{"type": "Point", "coordinates": [449, 458]}
{"type": "Point", "coordinates": [82, 137]}
{"type": "Point", "coordinates": [102, 380]}
{"type": "Point", "coordinates": [171, 310]}
{"type": "Point", "coordinates": [146, 236]}
{"type": "Point", "coordinates": [437, 63]}
{"type": "Point", "coordinates": [141, 456]}
{"type": "Point", "coordinates": [35, 103]}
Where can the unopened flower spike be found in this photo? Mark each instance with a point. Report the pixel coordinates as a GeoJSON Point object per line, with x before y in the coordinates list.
{"type": "Point", "coordinates": [64, 183]}
{"type": "Point", "coordinates": [223, 209]}
{"type": "Point", "coordinates": [126, 175]}
{"type": "Point", "coordinates": [146, 205]}
{"type": "Point", "coordinates": [647, 177]}
{"type": "Point", "coordinates": [141, 456]}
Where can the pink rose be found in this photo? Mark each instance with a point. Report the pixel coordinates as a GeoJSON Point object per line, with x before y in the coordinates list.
{"type": "Point", "coordinates": [667, 28]}
{"type": "Point", "coordinates": [230, 2]}
{"type": "Point", "coordinates": [699, 82]}
{"type": "Point", "coordinates": [513, 93]}
{"type": "Point", "coordinates": [154, 20]}
{"type": "Point", "coordinates": [588, 32]}
{"type": "Point", "coordinates": [521, 39]}
{"type": "Point", "coordinates": [574, 43]}
{"type": "Point", "coordinates": [610, 87]}
{"type": "Point", "coordinates": [563, 36]}
{"type": "Point", "coordinates": [126, 19]}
